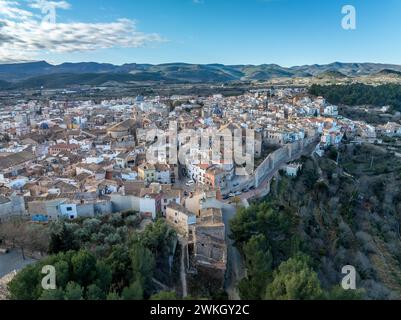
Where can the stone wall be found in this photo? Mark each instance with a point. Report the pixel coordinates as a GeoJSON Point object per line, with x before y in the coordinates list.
{"type": "Point", "coordinates": [284, 154]}
{"type": "Point", "coordinates": [103, 207]}
{"type": "Point", "coordinates": [210, 247]}
{"type": "Point", "coordinates": [124, 203]}
{"type": "Point", "coordinates": [16, 206]}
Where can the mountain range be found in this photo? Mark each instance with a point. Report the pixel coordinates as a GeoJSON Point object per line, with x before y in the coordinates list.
{"type": "Point", "coordinates": [41, 73]}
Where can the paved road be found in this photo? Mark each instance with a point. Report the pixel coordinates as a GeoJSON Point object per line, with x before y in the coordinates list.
{"type": "Point", "coordinates": [12, 261]}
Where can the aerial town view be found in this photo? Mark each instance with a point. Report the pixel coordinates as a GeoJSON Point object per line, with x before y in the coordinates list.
{"type": "Point", "coordinates": [200, 150]}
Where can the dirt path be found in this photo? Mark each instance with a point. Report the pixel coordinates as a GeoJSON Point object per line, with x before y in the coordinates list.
{"type": "Point", "coordinates": [183, 273]}
{"type": "Point", "coordinates": [235, 267]}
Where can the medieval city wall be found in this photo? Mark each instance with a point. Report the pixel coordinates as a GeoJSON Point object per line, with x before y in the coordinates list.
{"type": "Point", "coordinates": [280, 156]}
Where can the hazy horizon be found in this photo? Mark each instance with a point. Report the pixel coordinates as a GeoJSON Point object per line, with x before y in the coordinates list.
{"type": "Point", "coordinates": [236, 32]}
{"type": "Point", "coordinates": [190, 63]}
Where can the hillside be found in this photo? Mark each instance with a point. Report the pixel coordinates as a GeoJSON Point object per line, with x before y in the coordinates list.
{"type": "Point", "coordinates": [4, 84]}
{"type": "Point", "coordinates": [94, 79]}
{"type": "Point", "coordinates": [265, 72]}
{"type": "Point", "coordinates": [331, 74]}
{"type": "Point", "coordinates": [36, 74]}
{"type": "Point", "coordinates": [360, 94]}
{"type": "Point", "coordinates": [388, 72]}
{"type": "Point", "coordinates": [333, 215]}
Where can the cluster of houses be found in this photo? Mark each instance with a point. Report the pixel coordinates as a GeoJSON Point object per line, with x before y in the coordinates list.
{"type": "Point", "coordinates": [97, 148]}
{"type": "Point", "coordinates": [70, 159]}
{"type": "Point", "coordinates": [81, 158]}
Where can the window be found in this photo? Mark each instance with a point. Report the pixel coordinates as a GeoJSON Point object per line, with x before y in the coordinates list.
{"type": "Point", "coordinates": [69, 209]}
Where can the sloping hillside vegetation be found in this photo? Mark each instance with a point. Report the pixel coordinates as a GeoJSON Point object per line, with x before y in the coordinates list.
{"type": "Point", "coordinates": [102, 258]}
{"type": "Point", "coordinates": [296, 242]}
{"type": "Point", "coordinates": [360, 94]}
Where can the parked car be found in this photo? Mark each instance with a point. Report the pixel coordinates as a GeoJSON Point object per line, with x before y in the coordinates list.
{"type": "Point", "coordinates": [252, 188]}
{"type": "Point", "coordinates": [238, 193]}
{"type": "Point", "coordinates": [231, 195]}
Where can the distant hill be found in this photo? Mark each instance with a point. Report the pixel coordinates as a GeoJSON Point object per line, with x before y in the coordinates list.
{"type": "Point", "coordinates": [331, 74]}
{"type": "Point", "coordinates": [265, 72]}
{"type": "Point", "coordinates": [93, 79]}
{"type": "Point", "coordinates": [41, 73]}
{"type": "Point", "coordinates": [4, 85]}
{"type": "Point", "coordinates": [348, 69]}
{"type": "Point", "coordinates": [389, 72]}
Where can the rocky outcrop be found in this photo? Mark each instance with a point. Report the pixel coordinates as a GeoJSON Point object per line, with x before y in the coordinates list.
{"type": "Point", "coordinates": [3, 285]}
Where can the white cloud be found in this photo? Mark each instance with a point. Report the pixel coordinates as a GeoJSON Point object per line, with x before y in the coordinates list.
{"type": "Point", "coordinates": [23, 36]}
{"type": "Point", "coordinates": [12, 10]}
{"type": "Point", "coordinates": [39, 4]}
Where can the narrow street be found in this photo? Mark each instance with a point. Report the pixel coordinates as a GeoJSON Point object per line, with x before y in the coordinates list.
{"type": "Point", "coordinates": [13, 261]}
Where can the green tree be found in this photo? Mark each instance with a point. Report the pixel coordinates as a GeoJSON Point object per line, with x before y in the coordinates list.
{"type": "Point", "coordinates": [84, 267]}
{"type": "Point", "coordinates": [113, 296]}
{"type": "Point", "coordinates": [104, 276]}
{"type": "Point", "coordinates": [164, 295]}
{"type": "Point", "coordinates": [133, 292]}
{"type": "Point", "coordinates": [62, 238]}
{"type": "Point", "coordinates": [48, 295]}
{"type": "Point", "coordinates": [25, 285]}
{"type": "Point", "coordinates": [143, 264]}
{"type": "Point", "coordinates": [159, 238]}
{"type": "Point", "coordinates": [73, 291]}
{"type": "Point", "coordinates": [62, 273]}
{"type": "Point", "coordinates": [120, 264]}
{"type": "Point", "coordinates": [258, 259]}
{"type": "Point", "coordinates": [113, 239]}
{"type": "Point", "coordinates": [338, 293]}
{"type": "Point", "coordinates": [92, 225]}
{"type": "Point", "coordinates": [95, 293]}
{"type": "Point", "coordinates": [273, 223]}
{"type": "Point", "coordinates": [294, 280]}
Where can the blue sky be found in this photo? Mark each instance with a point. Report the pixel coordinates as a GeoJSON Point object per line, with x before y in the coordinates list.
{"type": "Point", "coordinates": [286, 32]}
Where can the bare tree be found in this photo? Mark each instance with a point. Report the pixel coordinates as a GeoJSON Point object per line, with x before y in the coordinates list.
{"type": "Point", "coordinates": [24, 235]}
